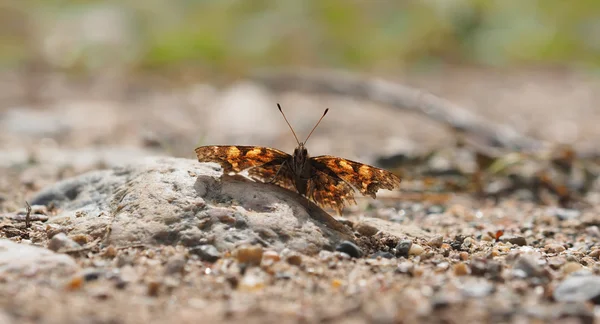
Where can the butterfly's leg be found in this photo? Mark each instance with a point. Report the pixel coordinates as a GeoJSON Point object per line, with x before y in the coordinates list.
{"type": "Point", "coordinates": [277, 173]}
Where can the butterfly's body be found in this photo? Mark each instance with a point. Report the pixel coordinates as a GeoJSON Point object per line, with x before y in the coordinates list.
{"type": "Point", "coordinates": [301, 168]}
{"type": "Point", "coordinates": [327, 180]}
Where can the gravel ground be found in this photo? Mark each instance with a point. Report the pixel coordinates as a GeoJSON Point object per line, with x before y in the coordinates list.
{"type": "Point", "coordinates": [408, 258]}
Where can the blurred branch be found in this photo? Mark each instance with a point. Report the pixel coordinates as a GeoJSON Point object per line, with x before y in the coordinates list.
{"type": "Point", "coordinates": [400, 97]}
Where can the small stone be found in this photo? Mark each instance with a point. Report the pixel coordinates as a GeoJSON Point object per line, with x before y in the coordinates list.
{"type": "Point", "coordinates": [570, 267]}
{"type": "Point", "coordinates": [405, 267]}
{"type": "Point", "coordinates": [207, 253]}
{"type": "Point", "coordinates": [565, 214]}
{"type": "Point", "coordinates": [464, 256]}
{"type": "Point", "coordinates": [271, 256]}
{"type": "Point", "coordinates": [516, 240]}
{"type": "Point", "coordinates": [61, 241]}
{"type": "Point", "coordinates": [478, 288]}
{"type": "Point", "coordinates": [435, 209]}
{"type": "Point", "coordinates": [436, 242]}
{"type": "Point", "coordinates": [75, 283]}
{"type": "Point", "coordinates": [251, 282]}
{"type": "Point", "coordinates": [416, 249]}
{"type": "Point", "coordinates": [381, 254]}
{"type": "Point", "coordinates": [249, 255]}
{"type": "Point", "coordinates": [403, 247]}
{"type": "Point", "coordinates": [349, 248]}
{"type": "Point", "coordinates": [554, 248]}
{"type": "Point", "coordinates": [579, 289]}
{"type": "Point", "coordinates": [366, 229]}
{"type": "Point", "coordinates": [595, 253]}
{"type": "Point", "coordinates": [593, 231]}
{"type": "Point", "coordinates": [467, 243]}
{"type": "Point", "coordinates": [526, 267]}
{"type": "Point", "coordinates": [487, 237]}
{"type": "Point", "coordinates": [175, 265]}
{"type": "Point", "coordinates": [336, 283]}
{"type": "Point", "coordinates": [556, 262]}
{"type": "Point", "coordinates": [294, 259]}
{"type": "Point", "coordinates": [109, 252]}
{"type": "Point", "coordinates": [461, 269]}
{"type": "Point", "coordinates": [457, 243]}
{"type": "Point", "coordinates": [153, 288]}
{"type": "Point", "coordinates": [91, 274]}
{"type": "Point", "coordinates": [81, 239]}
{"type": "Point", "coordinates": [53, 229]}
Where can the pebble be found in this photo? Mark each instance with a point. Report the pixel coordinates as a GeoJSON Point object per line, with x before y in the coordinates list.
{"type": "Point", "coordinates": [381, 254]}
{"type": "Point", "coordinates": [251, 282]}
{"type": "Point", "coordinates": [53, 229]}
{"type": "Point", "coordinates": [464, 256]}
{"type": "Point", "coordinates": [175, 265]}
{"type": "Point", "coordinates": [457, 243]}
{"type": "Point", "coordinates": [477, 288]}
{"type": "Point", "coordinates": [249, 255]}
{"type": "Point", "coordinates": [565, 214]}
{"type": "Point", "coordinates": [461, 269]}
{"type": "Point", "coordinates": [153, 288]}
{"type": "Point", "coordinates": [487, 238]}
{"type": "Point", "coordinates": [207, 253]}
{"type": "Point", "coordinates": [570, 267]}
{"type": "Point", "coordinates": [271, 256]}
{"type": "Point", "coordinates": [110, 252]}
{"type": "Point", "coordinates": [61, 241]}
{"type": "Point", "coordinates": [578, 289]}
{"type": "Point", "coordinates": [516, 240]}
{"type": "Point", "coordinates": [416, 249]}
{"type": "Point", "coordinates": [81, 239]}
{"type": "Point", "coordinates": [595, 253]}
{"type": "Point", "coordinates": [349, 248]}
{"type": "Point", "coordinates": [436, 241]}
{"type": "Point", "coordinates": [403, 247]}
{"type": "Point", "coordinates": [366, 229]}
{"type": "Point", "coordinates": [294, 259]}
{"type": "Point", "coordinates": [526, 267]}
{"type": "Point", "coordinates": [593, 231]}
{"type": "Point", "coordinates": [467, 243]}
{"type": "Point", "coordinates": [554, 248]}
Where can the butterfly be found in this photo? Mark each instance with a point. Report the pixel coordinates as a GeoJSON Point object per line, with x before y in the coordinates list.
{"type": "Point", "coordinates": [329, 181]}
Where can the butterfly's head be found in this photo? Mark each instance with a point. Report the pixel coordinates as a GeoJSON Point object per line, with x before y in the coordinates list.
{"type": "Point", "coordinates": [300, 154]}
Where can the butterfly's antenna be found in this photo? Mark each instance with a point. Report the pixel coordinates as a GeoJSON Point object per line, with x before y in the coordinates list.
{"type": "Point", "coordinates": [281, 111]}
{"type": "Point", "coordinates": [307, 137]}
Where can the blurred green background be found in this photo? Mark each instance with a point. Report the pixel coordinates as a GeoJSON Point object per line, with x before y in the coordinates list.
{"type": "Point", "coordinates": [229, 37]}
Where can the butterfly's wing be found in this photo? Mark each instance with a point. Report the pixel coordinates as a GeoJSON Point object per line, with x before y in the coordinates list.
{"type": "Point", "coordinates": [328, 191]}
{"type": "Point", "coordinates": [239, 158]}
{"type": "Point", "coordinates": [279, 174]}
{"type": "Point", "coordinates": [367, 179]}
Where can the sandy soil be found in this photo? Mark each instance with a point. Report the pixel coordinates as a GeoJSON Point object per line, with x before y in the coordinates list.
{"type": "Point", "coordinates": [483, 260]}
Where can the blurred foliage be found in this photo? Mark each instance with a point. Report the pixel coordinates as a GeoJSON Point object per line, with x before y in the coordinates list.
{"type": "Point", "coordinates": [234, 35]}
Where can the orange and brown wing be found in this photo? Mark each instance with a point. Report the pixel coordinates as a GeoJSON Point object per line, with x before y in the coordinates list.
{"type": "Point", "coordinates": [239, 158]}
{"type": "Point", "coordinates": [327, 191]}
{"type": "Point", "coordinates": [279, 174]}
{"type": "Point", "coordinates": [367, 179]}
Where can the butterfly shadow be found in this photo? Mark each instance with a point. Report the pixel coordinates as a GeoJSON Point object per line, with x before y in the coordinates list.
{"type": "Point", "coordinates": [237, 190]}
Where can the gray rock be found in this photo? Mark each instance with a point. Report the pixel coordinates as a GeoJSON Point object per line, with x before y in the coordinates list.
{"type": "Point", "coordinates": [476, 287]}
{"type": "Point", "coordinates": [527, 267]}
{"type": "Point", "coordinates": [23, 259]}
{"type": "Point", "coordinates": [349, 248]}
{"type": "Point", "coordinates": [514, 239]}
{"type": "Point", "coordinates": [403, 247]}
{"type": "Point", "coordinates": [61, 241]}
{"type": "Point", "coordinates": [579, 289]}
{"type": "Point", "coordinates": [207, 253]}
{"type": "Point", "coordinates": [182, 201]}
